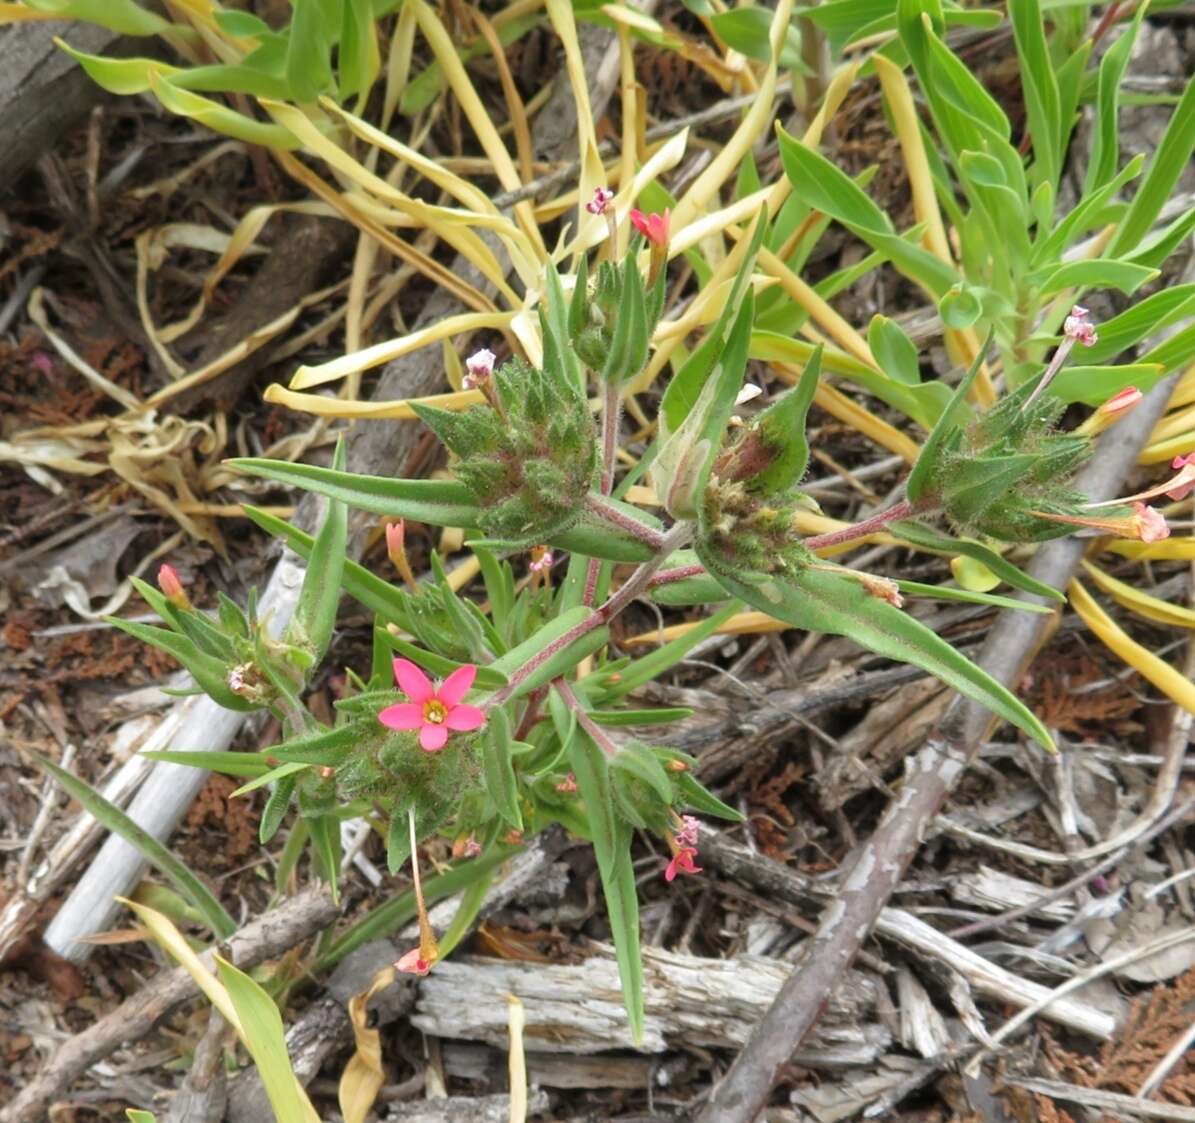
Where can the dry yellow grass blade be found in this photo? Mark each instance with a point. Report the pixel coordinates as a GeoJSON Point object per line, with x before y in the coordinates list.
{"type": "Point", "coordinates": [1167, 450]}
{"type": "Point", "coordinates": [404, 251]}
{"type": "Point", "coordinates": [524, 255]}
{"type": "Point", "coordinates": [252, 342]}
{"type": "Point", "coordinates": [453, 227]}
{"type": "Point", "coordinates": [517, 1060]}
{"type": "Point", "coordinates": [725, 165]}
{"type": "Point", "coordinates": [37, 313]}
{"type": "Point", "coordinates": [838, 405]}
{"type": "Point", "coordinates": [479, 120]}
{"type": "Point", "coordinates": [560, 13]}
{"type": "Point", "coordinates": [1138, 601]}
{"type": "Point", "coordinates": [1171, 549]}
{"type": "Point", "coordinates": [363, 1076]}
{"type": "Point", "coordinates": [1175, 685]}
{"type": "Point", "coordinates": [398, 410]}
{"type": "Point", "coordinates": [1181, 422]}
{"type": "Point", "coordinates": [515, 108]}
{"type": "Point", "coordinates": [741, 624]}
{"type": "Point", "coordinates": [306, 377]}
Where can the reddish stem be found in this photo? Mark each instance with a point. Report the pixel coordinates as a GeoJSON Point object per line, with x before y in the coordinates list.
{"type": "Point", "coordinates": [860, 530]}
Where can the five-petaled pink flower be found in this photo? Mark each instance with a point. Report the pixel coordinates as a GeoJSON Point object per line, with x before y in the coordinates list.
{"type": "Point", "coordinates": [654, 227]}
{"type": "Point", "coordinates": [682, 862]}
{"type": "Point", "coordinates": [433, 712]}
{"type": "Point", "coordinates": [600, 201]}
{"type": "Point", "coordinates": [1184, 483]}
{"type": "Point", "coordinates": [413, 963]}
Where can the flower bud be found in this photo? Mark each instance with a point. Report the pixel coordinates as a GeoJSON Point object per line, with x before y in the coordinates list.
{"type": "Point", "coordinates": [602, 197]}
{"type": "Point", "coordinates": [172, 587]}
{"type": "Point", "coordinates": [1078, 326]}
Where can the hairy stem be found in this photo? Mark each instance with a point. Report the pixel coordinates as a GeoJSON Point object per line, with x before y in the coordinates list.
{"type": "Point", "coordinates": [605, 510]}
{"type": "Point", "coordinates": [599, 735]}
{"type": "Point", "coordinates": [860, 530]}
{"type": "Point", "coordinates": [638, 581]}
{"type": "Point", "coordinates": [611, 413]}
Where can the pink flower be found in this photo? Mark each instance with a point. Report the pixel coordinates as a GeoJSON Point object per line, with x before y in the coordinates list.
{"type": "Point", "coordinates": [568, 784]}
{"type": "Point", "coordinates": [1184, 483]}
{"type": "Point", "coordinates": [172, 587]}
{"type": "Point", "coordinates": [1149, 523]}
{"type": "Point", "coordinates": [541, 559]}
{"type": "Point", "coordinates": [654, 227]}
{"type": "Point", "coordinates": [600, 201]}
{"type": "Point", "coordinates": [1121, 403]}
{"type": "Point", "coordinates": [1078, 326]}
{"type": "Point", "coordinates": [413, 963]}
{"type": "Point", "coordinates": [480, 366]}
{"type": "Point", "coordinates": [682, 862]}
{"type": "Point", "coordinates": [433, 712]}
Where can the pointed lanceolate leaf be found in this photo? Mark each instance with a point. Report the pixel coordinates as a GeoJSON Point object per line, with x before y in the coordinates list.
{"type": "Point", "coordinates": [438, 502]}
{"type": "Point", "coordinates": [943, 433]}
{"type": "Point", "coordinates": [275, 809]}
{"type": "Point", "coordinates": [781, 428]}
{"type": "Point", "coordinates": [500, 780]}
{"type": "Point", "coordinates": [637, 760]}
{"type": "Point", "coordinates": [821, 601]}
{"type": "Point", "coordinates": [611, 838]}
{"type": "Point", "coordinates": [928, 539]}
{"type": "Point", "coordinates": [315, 614]}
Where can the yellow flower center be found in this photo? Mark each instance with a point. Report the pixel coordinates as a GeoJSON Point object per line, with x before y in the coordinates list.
{"type": "Point", "coordinates": [435, 711]}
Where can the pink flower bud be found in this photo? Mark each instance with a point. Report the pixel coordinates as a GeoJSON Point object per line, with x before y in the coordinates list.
{"type": "Point", "coordinates": [600, 201]}
{"type": "Point", "coordinates": [541, 559]}
{"type": "Point", "coordinates": [568, 784]}
{"type": "Point", "coordinates": [396, 534]}
{"type": "Point", "coordinates": [413, 963]}
{"type": "Point", "coordinates": [1078, 326]}
{"type": "Point", "coordinates": [1122, 403]}
{"type": "Point", "coordinates": [172, 587]}
{"type": "Point", "coordinates": [480, 366]}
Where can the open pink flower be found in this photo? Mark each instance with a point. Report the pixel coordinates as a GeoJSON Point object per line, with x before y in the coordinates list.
{"type": "Point", "coordinates": [682, 862]}
{"type": "Point", "coordinates": [1149, 523]}
{"type": "Point", "coordinates": [433, 712]}
{"type": "Point", "coordinates": [654, 227]}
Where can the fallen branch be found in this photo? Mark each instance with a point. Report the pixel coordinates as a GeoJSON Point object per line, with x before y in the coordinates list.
{"type": "Point", "coordinates": [930, 777]}
{"type": "Point", "coordinates": [1114, 1102]}
{"type": "Point", "coordinates": [264, 938]}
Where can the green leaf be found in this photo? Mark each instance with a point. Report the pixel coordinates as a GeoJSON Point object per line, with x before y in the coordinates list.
{"type": "Point", "coordinates": [359, 60]}
{"type": "Point", "coordinates": [701, 799]}
{"type": "Point", "coordinates": [208, 671]}
{"type": "Point", "coordinates": [948, 592]}
{"type": "Point", "coordinates": [315, 614]}
{"type": "Point", "coordinates": [1158, 310]}
{"type": "Point", "coordinates": [325, 850]}
{"type": "Point", "coordinates": [628, 344]}
{"type": "Point", "coordinates": [309, 47]}
{"type": "Point", "coordinates": [971, 486]}
{"type": "Point", "coordinates": [636, 760]}
{"type": "Point", "coordinates": [1087, 213]}
{"type": "Point", "coordinates": [894, 351]}
{"type": "Point", "coordinates": [821, 601]}
{"type": "Point", "coordinates": [640, 717]}
{"type": "Point", "coordinates": [277, 775]}
{"type": "Point", "coordinates": [611, 838]}
{"type": "Point", "coordinates": [229, 763]}
{"type": "Point", "coordinates": [596, 538]}
{"type": "Point", "coordinates": [440, 665]}
{"type": "Point", "coordinates": [1169, 160]}
{"type": "Point", "coordinates": [466, 913]}
{"type": "Point", "coordinates": [653, 665]}
{"type": "Point", "coordinates": [122, 16]}
{"type": "Point", "coordinates": [377, 595]}
{"type": "Point", "coordinates": [1105, 137]}
{"type": "Point", "coordinates": [944, 432]}
{"type": "Point", "coordinates": [218, 117]}
{"type": "Point", "coordinates": [498, 764]}
{"type": "Point", "coordinates": [438, 502]}
{"type": "Point", "coordinates": [275, 808]}
{"type": "Point", "coordinates": [781, 427]}
{"type": "Point", "coordinates": [123, 76]}
{"type": "Point", "coordinates": [746, 30]}
{"type": "Point", "coordinates": [960, 307]}
{"type": "Point", "coordinates": [265, 1039]}
{"type": "Point", "coordinates": [1095, 385]}
{"type": "Point", "coordinates": [1123, 275]}
{"type": "Point", "coordinates": [558, 351]}
{"type": "Point", "coordinates": [115, 820]}
{"type": "Point", "coordinates": [927, 539]}
{"type": "Point", "coordinates": [327, 747]}
{"type": "Point", "coordinates": [562, 659]}
{"type": "Point", "coordinates": [1040, 87]}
